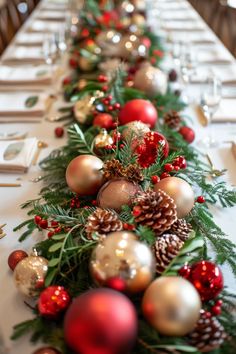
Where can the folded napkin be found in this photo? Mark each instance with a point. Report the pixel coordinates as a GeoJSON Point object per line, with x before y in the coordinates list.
{"type": "Point", "coordinates": [226, 111]}
{"type": "Point", "coordinates": [226, 73]}
{"type": "Point", "coordinates": [26, 55]}
{"type": "Point", "coordinates": [197, 37]}
{"type": "Point", "coordinates": [51, 15]}
{"type": "Point", "coordinates": [29, 39]}
{"type": "Point", "coordinates": [26, 104]}
{"type": "Point", "coordinates": [176, 6]}
{"type": "Point", "coordinates": [185, 15]}
{"type": "Point", "coordinates": [183, 26]}
{"type": "Point", "coordinates": [45, 26]}
{"type": "Point", "coordinates": [36, 75]}
{"type": "Point", "coordinates": [16, 155]}
{"type": "Point", "coordinates": [214, 55]}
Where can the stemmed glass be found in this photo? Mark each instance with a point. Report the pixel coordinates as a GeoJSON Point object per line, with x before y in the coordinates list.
{"type": "Point", "coordinates": [210, 101]}
{"type": "Point", "coordinates": [49, 48]}
{"type": "Point", "coordinates": [188, 65]}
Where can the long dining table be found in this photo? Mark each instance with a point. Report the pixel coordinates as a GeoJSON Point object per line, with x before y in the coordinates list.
{"type": "Point", "coordinates": [176, 21]}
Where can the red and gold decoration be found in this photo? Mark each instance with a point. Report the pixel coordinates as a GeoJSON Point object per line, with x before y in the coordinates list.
{"type": "Point", "coordinates": [139, 110]}
{"type": "Point", "coordinates": [101, 321]}
{"type": "Point", "coordinates": [29, 275]}
{"type": "Point", "coordinates": [52, 301]}
{"type": "Point", "coordinates": [15, 257]}
{"type": "Point", "coordinates": [150, 80]}
{"type": "Point", "coordinates": [122, 192]}
{"type": "Point", "coordinates": [84, 174]}
{"type": "Point", "coordinates": [102, 140]}
{"type": "Point", "coordinates": [172, 306]}
{"type": "Point", "coordinates": [207, 279]}
{"type": "Point", "coordinates": [121, 255]}
{"type": "Point", "coordinates": [181, 192]}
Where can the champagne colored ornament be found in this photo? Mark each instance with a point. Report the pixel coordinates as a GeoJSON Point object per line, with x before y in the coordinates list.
{"type": "Point", "coordinates": [131, 46]}
{"type": "Point", "coordinates": [15, 257]}
{"type": "Point", "coordinates": [101, 321]}
{"type": "Point", "coordinates": [135, 129]}
{"type": "Point", "coordinates": [117, 192]}
{"type": "Point", "coordinates": [46, 350]}
{"type": "Point", "coordinates": [151, 80]}
{"type": "Point", "coordinates": [121, 255]}
{"type": "Point", "coordinates": [207, 279]}
{"type": "Point", "coordinates": [52, 301]}
{"type": "Point", "coordinates": [171, 305]}
{"type": "Point", "coordinates": [29, 273]}
{"type": "Point", "coordinates": [138, 20]}
{"type": "Point", "coordinates": [84, 107]}
{"type": "Point", "coordinates": [84, 175]}
{"type": "Point", "coordinates": [139, 110]}
{"type": "Point", "coordinates": [180, 191]}
{"type": "Point", "coordinates": [101, 140]}
{"type": "Point", "coordinates": [108, 41]}
{"type": "Point", "coordinates": [81, 84]}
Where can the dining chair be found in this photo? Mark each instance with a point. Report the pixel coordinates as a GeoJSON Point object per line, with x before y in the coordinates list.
{"type": "Point", "coordinates": [5, 36]}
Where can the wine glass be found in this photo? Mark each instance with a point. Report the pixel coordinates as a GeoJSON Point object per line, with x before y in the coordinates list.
{"type": "Point", "coordinates": [210, 101]}
{"type": "Point", "coordinates": [188, 65]}
{"type": "Point", "coordinates": [49, 48]}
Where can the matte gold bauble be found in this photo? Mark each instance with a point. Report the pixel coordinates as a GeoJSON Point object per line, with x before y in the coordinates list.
{"type": "Point", "coordinates": [117, 192]}
{"type": "Point", "coordinates": [29, 274]}
{"type": "Point", "coordinates": [87, 64]}
{"type": "Point", "coordinates": [171, 305]}
{"type": "Point", "coordinates": [131, 46]}
{"type": "Point", "coordinates": [120, 255]}
{"type": "Point", "coordinates": [101, 140]}
{"type": "Point", "coordinates": [151, 80]}
{"type": "Point", "coordinates": [180, 191]}
{"type": "Point", "coordinates": [84, 174]}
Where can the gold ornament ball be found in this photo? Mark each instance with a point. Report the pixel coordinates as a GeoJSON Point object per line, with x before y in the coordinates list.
{"type": "Point", "coordinates": [130, 45]}
{"type": "Point", "coordinates": [122, 255]}
{"type": "Point", "coordinates": [151, 80]}
{"type": "Point", "coordinates": [135, 129]}
{"type": "Point", "coordinates": [101, 140]}
{"type": "Point", "coordinates": [29, 274]}
{"type": "Point", "coordinates": [180, 191]}
{"type": "Point", "coordinates": [171, 305]}
{"type": "Point", "coordinates": [84, 174]}
{"type": "Point", "coordinates": [117, 192]}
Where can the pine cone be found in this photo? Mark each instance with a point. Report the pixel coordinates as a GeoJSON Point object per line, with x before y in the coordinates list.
{"type": "Point", "coordinates": [134, 173]}
{"type": "Point", "coordinates": [172, 119]}
{"type": "Point", "coordinates": [102, 222]}
{"type": "Point", "coordinates": [181, 229]}
{"type": "Point", "coordinates": [156, 210]}
{"type": "Point", "coordinates": [113, 169]}
{"type": "Point", "coordinates": [208, 334]}
{"type": "Point", "coordinates": [166, 248]}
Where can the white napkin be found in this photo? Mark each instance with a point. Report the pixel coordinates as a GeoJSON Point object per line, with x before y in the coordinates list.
{"type": "Point", "coordinates": [226, 111]}
{"type": "Point", "coordinates": [36, 75]}
{"type": "Point", "coordinates": [52, 15]}
{"type": "Point", "coordinates": [183, 26]}
{"type": "Point", "coordinates": [214, 55]}
{"type": "Point", "coordinates": [193, 37]}
{"type": "Point", "coordinates": [14, 104]}
{"type": "Point", "coordinates": [29, 39]}
{"type": "Point", "coordinates": [16, 155]}
{"type": "Point", "coordinates": [24, 55]}
{"type": "Point", "coordinates": [185, 15]}
{"type": "Point", "coordinates": [45, 26]}
{"type": "Point", "coordinates": [176, 6]}
{"type": "Point", "coordinates": [227, 74]}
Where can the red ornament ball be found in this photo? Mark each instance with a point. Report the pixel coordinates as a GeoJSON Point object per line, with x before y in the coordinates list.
{"type": "Point", "coordinates": [101, 321]}
{"type": "Point", "coordinates": [104, 120]}
{"type": "Point", "coordinates": [59, 132]}
{"type": "Point", "coordinates": [185, 271]}
{"type": "Point", "coordinates": [188, 134]}
{"type": "Point", "coordinates": [46, 350]}
{"type": "Point", "coordinates": [139, 110]}
{"type": "Point", "coordinates": [207, 279]}
{"type": "Point", "coordinates": [53, 300]}
{"type": "Point", "coordinates": [15, 257]}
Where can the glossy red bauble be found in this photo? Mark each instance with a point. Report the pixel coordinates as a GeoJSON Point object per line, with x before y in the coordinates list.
{"type": "Point", "coordinates": [53, 300]}
{"type": "Point", "coordinates": [139, 110]}
{"type": "Point", "coordinates": [207, 279]}
{"type": "Point", "coordinates": [104, 120]}
{"type": "Point", "coordinates": [101, 321]}
{"type": "Point", "coordinates": [15, 257]}
{"type": "Point", "coordinates": [188, 134]}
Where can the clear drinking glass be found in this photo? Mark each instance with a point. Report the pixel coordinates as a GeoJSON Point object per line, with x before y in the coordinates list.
{"type": "Point", "coordinates": [210, 101]}
{"type": "Point", "coordinates": [188, 65]}
{"type": "Point", "coordinates": [49, 48]}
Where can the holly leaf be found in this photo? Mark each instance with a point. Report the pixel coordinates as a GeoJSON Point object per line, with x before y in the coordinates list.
{"type": "Point", "coordinates": [31, 101]}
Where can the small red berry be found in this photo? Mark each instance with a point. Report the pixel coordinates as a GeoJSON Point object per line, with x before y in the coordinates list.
{"type": "Point", "coordinates": [37, 219]}
{"type": "Point", "coordinates": [201, 199]}
{"type": "Point", "coordinates": [168, 167]}
{"type": "Point", "coordinates": [164, 175]}
{"type": "Point", "coordinates": [207, 314]}
{"type": "Point", "coordinates": [105, 88]}
{"type": "Point", "coordinates": [59, 132]}
{"type": "Point", "coordinates": [219, 303]}
{"type": "Point", "coordinates": [43, 224]}
{"type": "Point", "coordinates": [109, 97]}
{"type": "Point", "coordinates": [216, 310]}
{"type": "Point", "coordinates": [106, 101]}
{"type": "Point", "coordinates": [185, 271]}
{"type": "Point", "coordinates": [102, 78]}
{"type": "Point", "coordinates": [129, 227]}
{"type": "Point", "coordinates": [155, 179]}
{"type": "Point", "coordinates": [136, 211]}
{"type": "Point", "coordinates": [108, 147]}
{"type": "Point", "coordinates": [122, 146]}
{"type": "Point", "coordinates": [50, 234]}
{"type": "Point", "coordinates": [94, 202]}
{"type": "Point", "coordinates": [116, 105]}
{"type": "Point", "coordinates": [54, 223]}
{"type": "Point", "coordinates": [110, 108]}
{"type": "Point", "coordinates": [66, 81]}
{"type": "Point", "coordinates": [176, 168]}
{"type": "Point", "coordinates": [57, 230]}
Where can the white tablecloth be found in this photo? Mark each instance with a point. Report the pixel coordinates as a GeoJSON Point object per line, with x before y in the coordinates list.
{"type": "Point", "coordinates": [12, 309]}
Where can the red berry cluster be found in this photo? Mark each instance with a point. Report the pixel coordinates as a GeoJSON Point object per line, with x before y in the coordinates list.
{"type": "Point", "coordinates": [128, 227]}
{"type": "Point", "coordinates": [216, 309]}
{"type": "Point", "coordinates": [116, 137]}
{"type": "Point", "coordinates": [53, 227]}
{"type": "Point", "coordinates": [75, 202]}
{"type": "Point", "coordinates": [110, 107]}
{"type": "Point", "coordinates": [178, 163]}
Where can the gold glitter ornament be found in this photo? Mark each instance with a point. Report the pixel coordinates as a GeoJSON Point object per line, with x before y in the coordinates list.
{"type": "Point", "coordinates": [29, 274]}
{"type": "Point", "coordinates": [84, 107]}
{"type": "Point", "coordinates": [102, 139]}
